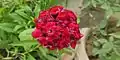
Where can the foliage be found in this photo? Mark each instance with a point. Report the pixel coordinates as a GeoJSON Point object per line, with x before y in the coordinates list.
{"type": "Point", "coordinates": [16, 25]}
{"type": "Point", "coordinates": [106, 37]}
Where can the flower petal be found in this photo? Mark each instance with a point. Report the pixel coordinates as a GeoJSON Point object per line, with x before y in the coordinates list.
{"type": "Point", "coordinates": [36, 33]}
{"type": "Point", "coordinates": [73, 44]}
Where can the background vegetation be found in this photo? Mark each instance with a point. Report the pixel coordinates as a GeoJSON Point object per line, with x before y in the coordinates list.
{"type": "Point", "coordinates": [106, 35]}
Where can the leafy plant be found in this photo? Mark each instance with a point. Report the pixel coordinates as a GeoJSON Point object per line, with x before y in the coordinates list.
{"type": "Point", "coordinates": [16, 25]}
{"type": "Point", "coordinates": [106, 37]}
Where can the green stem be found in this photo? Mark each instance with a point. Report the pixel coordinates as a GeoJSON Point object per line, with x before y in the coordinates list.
{"type": "Point", "coordinates": [31, 49]}
{"type": "Point", "coordinates": [58, 55]}
{"type": "Point", "coordinates": [66, 3]}
{"type": "Point", "coordinates": [8, 53]}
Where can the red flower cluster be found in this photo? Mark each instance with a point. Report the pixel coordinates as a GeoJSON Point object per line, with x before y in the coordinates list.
{"type": "Point", "coordinates": [57, 28]}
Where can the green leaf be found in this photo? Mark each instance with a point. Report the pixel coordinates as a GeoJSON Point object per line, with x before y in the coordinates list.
{"type": "Point", "coordinates": [86, 4]}
{"type": "Point", "coordinates": [30, 57]}
{"type": "Point", "coordinates": [93, 3]}
{"type": "Point", "coordinates": [117, 50]}
{"type": "Point", "coordinates": [95, 51]}
{"type": "Point", "coordinates": [96, 43]}
{"type": "Point", "coordinates": [118, 23]}
{"type": "Point", "coordinates": [105, 6]}
{"type": "Point", "coordinates": [103, 32]}
{"type": "Point", "coordinates": [102, 52]}
{"type": "Point", "coordinates": [111, 39]}
{"type": "Point", "coordinates": [102, 57]}
{"type": "Point", "coordinates": [1, 10]}
{"type": "Point", "coordinates": [25, 42]}
{"type": "Point", "coordinates": [101, 1]}
{"type": "Point", "coordinates": [27, 8]}
{"type": "Point", "coordinates": [17, 18]}
{"type": "Point", "coordinates": [37, 10]}
{"type": "Point", "coordinates": [17, 27]}
{"type": "Point", "coordinates": [108, 13]}
{"type": "Point", "coordinates": [17, 2]}
{"type": "Point", "coordinates": [49, 57]}
{"type": "Point", "coordinates": [106, 48]}
{"type": "Point", "coordinates": [103, 23]}
{"type": "Point", "coordinates": [41, 56]}
{"type": "Point", "coordinates": [102, 40]}
{"type": "Point", "coordinates": [116, 35]}
{"type": "Point", "coordinates": [116, 15]}
{"type": "Point", "coordinates": [26, 35]}
{"type": "Point", "coordinates": [54, 2]}
{"type": "Point", "coordinates": [23, 57]}
{"type": "Point", "coordinates": [66, 50]}
{"type": "Point", "coordinates": [78, 20]}
{"type": "Point", "coordinates": [3, 35]}
{"type": "Point", "coordinates": [23, 15]}
{"type": "Point", "coordinates": [13, 38]}
{"type": "Point", "coordinates": [4, 43]}
{"type": "Point", "coordinates": [116, 9]}
{"type": "Point", "coordinates": [43, 51]}
{"type": "Point", "coordinates": [8, 27]}
{"type": "Point", "coordinates": [117, 42]}
{"type": "Point", "coordinates": [27, 47]}
{"type": "Point", "coordinates": [114, 57]}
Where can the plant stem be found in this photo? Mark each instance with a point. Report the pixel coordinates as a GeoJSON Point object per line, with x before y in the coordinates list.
{"type": "Point", "coordinates": [66, 3]}
{"type": "Point", "coordinates": [7, 52]}
{"type": "Point", "coordinates": [31, 49]}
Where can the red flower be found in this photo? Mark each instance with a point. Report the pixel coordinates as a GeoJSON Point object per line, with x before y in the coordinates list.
{"type": "Point", "coordinates": [36, 33]}
{"type": "Point", "coordinates": [56, 10]}
{"type": "Point", "coordinates": [73, 44]}
{"type": "Point", "coordinates": [57, 28]}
